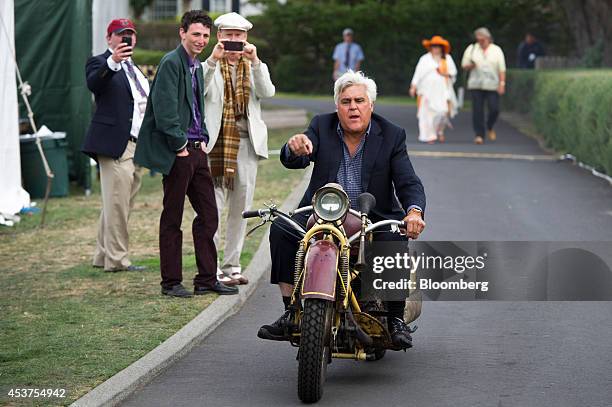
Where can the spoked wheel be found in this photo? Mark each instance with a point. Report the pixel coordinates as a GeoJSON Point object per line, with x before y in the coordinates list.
{"type": "Point", "coordinates": [314, 349]}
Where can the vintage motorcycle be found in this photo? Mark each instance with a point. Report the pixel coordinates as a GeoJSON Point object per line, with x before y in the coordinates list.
{"type": "Point", "coordinates": [327, 321]}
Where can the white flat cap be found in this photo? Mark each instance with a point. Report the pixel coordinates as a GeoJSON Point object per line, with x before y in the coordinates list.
{"type": "Point", "coordinates": [233, 21]}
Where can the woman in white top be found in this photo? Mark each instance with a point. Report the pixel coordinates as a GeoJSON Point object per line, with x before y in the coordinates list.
{"type": "Point", "coordinates": [487, 82]}
{"type": "Point", "coordinates": [433, 83]}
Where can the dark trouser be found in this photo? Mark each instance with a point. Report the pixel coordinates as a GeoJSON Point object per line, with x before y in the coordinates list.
{"type": "Point", "coordinates": [284, 243]}
{"type": "Point", "coordinates": [479, 98]}
{"type": "Point", "coordinates": [189, 176]}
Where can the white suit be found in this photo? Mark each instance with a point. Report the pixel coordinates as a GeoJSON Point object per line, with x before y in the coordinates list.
{"type": "Point", "coordinates": [252, 148]}
{"type": "Point", "coordinates": [435, 92]}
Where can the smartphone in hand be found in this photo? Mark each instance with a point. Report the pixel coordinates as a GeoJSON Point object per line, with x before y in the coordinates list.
{"type": "Point", "coordinates": [233, 46]}
{"type": "Point", "coordinates": [127, 40]}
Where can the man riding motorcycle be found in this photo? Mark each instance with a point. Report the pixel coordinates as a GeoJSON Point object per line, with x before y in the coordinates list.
{"type": "Point", "coordinates": [363, 152]}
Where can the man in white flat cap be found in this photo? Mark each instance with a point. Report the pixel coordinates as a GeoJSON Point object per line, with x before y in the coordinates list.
{"type": "Point", "coordinates": [235, 82]}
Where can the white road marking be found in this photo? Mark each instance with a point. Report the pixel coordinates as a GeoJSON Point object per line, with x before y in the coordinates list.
{"type": "Point", "coordinates": [501, 156]}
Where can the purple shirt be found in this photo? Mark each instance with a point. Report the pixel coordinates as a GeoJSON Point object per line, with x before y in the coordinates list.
{"type": "Point", "coordinates": [196, 132]}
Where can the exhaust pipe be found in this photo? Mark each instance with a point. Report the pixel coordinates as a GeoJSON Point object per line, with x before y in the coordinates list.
{"type": "Point", "coordinates": [362, 337]}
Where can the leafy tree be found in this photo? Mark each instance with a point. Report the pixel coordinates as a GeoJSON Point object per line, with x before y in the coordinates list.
{"type": "Point", "coordinates": [302, 34]}
{"type": "Point", "coordinates": [590, 22]}
{"type": "Point", "coordinates": [139, 6]}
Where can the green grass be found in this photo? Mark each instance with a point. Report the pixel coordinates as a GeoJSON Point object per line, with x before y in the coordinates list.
{"type": "Point", "coordinates": [65, 324]}
{"type": "Point", "coordinates": [270, 106]}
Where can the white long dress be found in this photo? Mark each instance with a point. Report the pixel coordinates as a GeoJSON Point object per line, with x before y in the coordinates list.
{"type": "Point", "coordinates": [435, 92]}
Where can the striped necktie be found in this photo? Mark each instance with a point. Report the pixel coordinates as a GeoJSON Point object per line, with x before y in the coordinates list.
{"type": "Point", "coordinates": [130, 68]}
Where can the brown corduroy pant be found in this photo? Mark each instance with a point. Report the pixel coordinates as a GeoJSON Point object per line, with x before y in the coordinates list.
{"type": "Point", "coordinates": [189, 176]}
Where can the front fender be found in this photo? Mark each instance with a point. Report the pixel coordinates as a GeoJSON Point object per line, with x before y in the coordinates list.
{"type": "Point", "coordinates": [320, 271]}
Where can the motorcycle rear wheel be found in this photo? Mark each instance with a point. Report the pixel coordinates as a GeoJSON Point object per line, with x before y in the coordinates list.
{"type": "Point", "coordinates": [314, 349]}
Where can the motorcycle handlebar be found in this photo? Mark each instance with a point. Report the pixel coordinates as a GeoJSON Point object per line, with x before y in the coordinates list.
{"type": "Point", "coordinates": [262, 212]}
{"type": "Point", "coordinates": [251, 214]}
{"type": "Point", "coordinates": [389, 222]}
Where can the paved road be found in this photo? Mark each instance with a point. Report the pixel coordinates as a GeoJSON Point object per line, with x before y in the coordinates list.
{"type": "Point", "coordinates": [466, 353]}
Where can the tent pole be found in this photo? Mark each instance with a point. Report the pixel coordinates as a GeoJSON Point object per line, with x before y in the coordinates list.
{"type": "Point", "coordinates": [25, 91]}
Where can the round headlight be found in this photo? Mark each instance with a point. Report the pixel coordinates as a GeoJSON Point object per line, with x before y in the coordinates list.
{"type": "Point", "coordinates": [331, 203]}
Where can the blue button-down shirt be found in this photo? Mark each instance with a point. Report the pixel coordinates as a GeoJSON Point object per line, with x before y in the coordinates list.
{"type": "Point", "coordinates": [348, 54]}
{"type": "Point", "coordinates": [349, 173]}
{"type": "Point", "coordinates": [196, 132]}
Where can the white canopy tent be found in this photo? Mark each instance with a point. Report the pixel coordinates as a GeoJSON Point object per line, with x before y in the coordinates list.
{"type": "Point", "coordinates": [12, 196]}
{"type": "Point", "coordinates": [102, 13]}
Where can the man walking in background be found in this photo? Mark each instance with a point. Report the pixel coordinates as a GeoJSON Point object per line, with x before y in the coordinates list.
{"type": "Point", "coordinates": [347, 54]}
{"type": "Point", "coordinates": [121, 92]}
{"type": "Point", "coordinates": [172, 141]}
{"type": "Point", "coordinates": [528, 51]}
{"type": "Point", "coordinates": [236, 81]}
{"type": "Point", "coordinates": [486, 64]}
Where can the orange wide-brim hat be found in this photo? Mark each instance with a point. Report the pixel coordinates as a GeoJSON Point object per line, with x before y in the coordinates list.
{"type": "Point", "coordinates": [437, 40]}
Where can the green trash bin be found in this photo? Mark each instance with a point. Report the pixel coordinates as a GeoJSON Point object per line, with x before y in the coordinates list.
{"type": "Point", "coordinates": [33, 170]}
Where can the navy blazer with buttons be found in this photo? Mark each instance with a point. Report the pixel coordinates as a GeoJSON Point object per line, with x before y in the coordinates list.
{"type": "Point", "coordinates": [110, 127]}
{"type": "Point", "coordinates": [387, 172]}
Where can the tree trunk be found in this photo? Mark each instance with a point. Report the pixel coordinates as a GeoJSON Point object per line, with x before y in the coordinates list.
{"type": "Point", "coordinates": [590, 22]}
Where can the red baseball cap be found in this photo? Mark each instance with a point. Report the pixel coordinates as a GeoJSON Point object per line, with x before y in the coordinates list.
{"type": "Point", "coordinates": [120, 24]}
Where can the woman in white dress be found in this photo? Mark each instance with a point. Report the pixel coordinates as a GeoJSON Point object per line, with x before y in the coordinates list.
{"type": "Point", "coordinates": [432, 83]}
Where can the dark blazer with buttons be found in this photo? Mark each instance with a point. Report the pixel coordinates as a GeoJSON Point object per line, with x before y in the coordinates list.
{"type": "Point", "coordinates": [387, 172]}
{"type": "Point", "coordinates": [109, 131]}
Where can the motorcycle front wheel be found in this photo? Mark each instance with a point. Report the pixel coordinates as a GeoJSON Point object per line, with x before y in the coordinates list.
{"type": "Point", "coordinates": [314, 349]}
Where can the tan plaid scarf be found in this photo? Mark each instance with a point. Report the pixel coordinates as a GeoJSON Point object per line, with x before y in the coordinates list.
{"type": "Point", "coordinates": [224, 156]}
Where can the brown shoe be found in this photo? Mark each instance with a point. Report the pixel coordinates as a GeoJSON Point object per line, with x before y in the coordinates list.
{"type": "Point", "coordinates": [478, 140]}
{"type": "Point", "coordinates": [492, 135]}
{"type": "Point", "coordinates": [222, 278]}
{"type": "Point", "coordinates": [239, 278]}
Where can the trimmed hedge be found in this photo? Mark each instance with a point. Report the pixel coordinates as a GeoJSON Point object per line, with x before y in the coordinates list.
{"type": "Point", "coordinates": [571, 109]}
{"type": "Point", "coordinates": [147, 57]}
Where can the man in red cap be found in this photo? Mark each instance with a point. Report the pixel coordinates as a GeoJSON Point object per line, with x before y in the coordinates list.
{"type": "Point", "coordinates": [120, 90]}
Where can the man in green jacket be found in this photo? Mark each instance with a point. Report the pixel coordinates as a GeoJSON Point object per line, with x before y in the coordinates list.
{"type": "Point", "coordinates": [172, 140]}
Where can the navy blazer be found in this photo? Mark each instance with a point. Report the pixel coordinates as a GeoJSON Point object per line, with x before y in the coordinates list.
{"type": "Point", "coordinates": [110, 126]}
{"type": "Point", "coordinates": [386, 169]}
